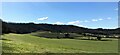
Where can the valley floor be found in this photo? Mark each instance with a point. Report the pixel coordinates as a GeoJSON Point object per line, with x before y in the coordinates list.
{"type": "Point", "coordinates": [26, 43]}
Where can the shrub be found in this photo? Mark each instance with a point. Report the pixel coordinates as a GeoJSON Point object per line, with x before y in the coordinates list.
{"type": "Point", "coordinates": [99, 38]}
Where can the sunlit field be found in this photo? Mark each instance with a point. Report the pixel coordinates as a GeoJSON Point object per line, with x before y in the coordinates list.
{"type": "Point", "coordinates": [27, 43]}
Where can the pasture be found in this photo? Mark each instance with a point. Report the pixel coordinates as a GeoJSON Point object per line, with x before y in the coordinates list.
{"type": "Point", "coordinates": [27, 43]}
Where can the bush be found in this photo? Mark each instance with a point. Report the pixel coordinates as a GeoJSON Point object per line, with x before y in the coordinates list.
{"type": "Point", "coordinates": [58, 37]}
{"type": "Point", "coordinates": [67, 35]}
{"type": "Point", "coordinates": [71, 37]}
{"type": "Point", "coordinates": [99, 38]}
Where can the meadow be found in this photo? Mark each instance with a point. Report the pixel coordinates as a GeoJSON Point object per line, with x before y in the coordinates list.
{"type": "Point", "coordinates": [27, 43]}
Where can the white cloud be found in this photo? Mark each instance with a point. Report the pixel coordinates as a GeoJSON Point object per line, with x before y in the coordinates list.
{"type": "Point", "coordinates": [86, 21]}
{"type": "Point", "coordinates": [77, 23]}
{"type": "Point", "coordinates": [43, 18]}
{"type": "Point", "coordinates": [109, 18]}
{"type": "Point", "coordinates": [81, 25]}
{"type": "Point", "coordinates": [100, 19]}
{"type": "Point", "coordinates": [58, 23]}
{"type": "Point", "coordinates": [94, 20]}
{"type": "Point", "coordinates": [74, 22]}
{"type": "Point", "coordinates": [116, 9]}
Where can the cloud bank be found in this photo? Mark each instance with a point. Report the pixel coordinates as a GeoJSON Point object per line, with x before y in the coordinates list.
{"type": "Point", "coordinates": [43, 18]}
{"type": "Point", "coordinates": [78, 23]}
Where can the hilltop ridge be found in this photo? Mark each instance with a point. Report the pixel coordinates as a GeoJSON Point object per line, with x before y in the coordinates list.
{"type": "Point", "coordinates": [23, 28]}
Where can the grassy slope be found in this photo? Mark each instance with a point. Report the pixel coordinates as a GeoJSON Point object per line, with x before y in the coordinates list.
{"type": "Point", "coordinates": [25, 43]}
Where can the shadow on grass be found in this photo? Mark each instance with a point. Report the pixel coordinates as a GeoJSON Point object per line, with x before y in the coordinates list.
{"type": "Point", "coordinates": [5, 39]}
{"type": "Point", "coordinates": [60, 54]}
{"type": "Point", "coordinates": [105, 40]}
{"type": "Point", "coordinates": [95, 39]}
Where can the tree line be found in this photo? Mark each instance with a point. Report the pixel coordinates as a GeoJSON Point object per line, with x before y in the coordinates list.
{"type": "Point", "coordinates": [23, 28]}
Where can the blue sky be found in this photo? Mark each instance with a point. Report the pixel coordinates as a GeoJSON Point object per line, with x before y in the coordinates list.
{"type": "Point", "coordinates": [85, 14]}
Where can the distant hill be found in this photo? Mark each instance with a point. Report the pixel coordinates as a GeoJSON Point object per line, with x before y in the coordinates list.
{"type": "Point", "coordinates": [23, 28]}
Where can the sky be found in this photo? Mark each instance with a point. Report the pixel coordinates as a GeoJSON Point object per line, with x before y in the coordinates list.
{"type": "Point", "coordinates": [83, 14]}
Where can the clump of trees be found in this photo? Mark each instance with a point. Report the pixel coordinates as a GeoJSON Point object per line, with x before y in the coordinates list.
{"type": "Point", "coordinates": [67, 35]}
{"type": "Point", "coordinates": [89, 35]}
{"type": "Point", "coordinates": [99, 38]}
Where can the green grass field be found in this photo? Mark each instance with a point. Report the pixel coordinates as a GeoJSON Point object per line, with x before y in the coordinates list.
{"type": "Point", "coordinates": [26, 43]}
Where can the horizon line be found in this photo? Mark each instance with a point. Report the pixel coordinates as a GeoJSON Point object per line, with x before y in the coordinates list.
{"type": "Point", "coordinates": [55, 24]}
